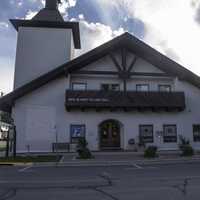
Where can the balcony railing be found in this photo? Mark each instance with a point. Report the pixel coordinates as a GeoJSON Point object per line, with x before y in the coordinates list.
{"type": "Point", "coordinates": [167, 101]}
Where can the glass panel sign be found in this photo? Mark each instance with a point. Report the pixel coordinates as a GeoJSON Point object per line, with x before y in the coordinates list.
{"type": "Point", "coordinates": [76, 132]}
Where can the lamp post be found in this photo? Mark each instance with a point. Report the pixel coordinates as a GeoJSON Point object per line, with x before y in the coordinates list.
{"type": "Point", "coordinates": [56, 138]}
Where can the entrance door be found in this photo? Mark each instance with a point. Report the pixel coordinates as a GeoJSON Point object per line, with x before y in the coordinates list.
{"type": "Point", "coordinates": [110, 135]}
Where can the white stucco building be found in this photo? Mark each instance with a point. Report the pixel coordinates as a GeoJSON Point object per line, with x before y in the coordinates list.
{"type": "Point", "coordinates": [117, 92]}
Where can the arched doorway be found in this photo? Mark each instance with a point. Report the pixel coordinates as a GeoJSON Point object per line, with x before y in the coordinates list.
{"type": "Point", "coordinates": [110, 137]}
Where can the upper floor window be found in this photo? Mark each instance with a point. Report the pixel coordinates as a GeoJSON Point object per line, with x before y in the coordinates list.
{"type": "Point", "coordinates": [196, 132]}
{"type": "Point", "coordinates": [164, 88]}
{"type": "Point", "coordinates": [142, 87]}
{"type": "Point", "coordinates": [170, 134]}
{"type": "Point", "coordinates": [110, 87]}
{"type": "Point", "coordinates": [79, 86]}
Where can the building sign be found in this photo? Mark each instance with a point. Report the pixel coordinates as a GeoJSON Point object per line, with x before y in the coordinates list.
{"type": "Point", "coordinates": [88, 100]}
{"type": "Point", "coordinates": [76, 132]}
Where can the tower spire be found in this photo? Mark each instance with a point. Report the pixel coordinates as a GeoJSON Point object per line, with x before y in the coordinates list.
{"type": "Point", "coordinates": [52, 4]}
{"type": "Point", "coordinates": [50, 12]}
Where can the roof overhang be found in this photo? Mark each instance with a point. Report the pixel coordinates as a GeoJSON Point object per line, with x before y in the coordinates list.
{"type": "Point", "coordinates": [51, 24]}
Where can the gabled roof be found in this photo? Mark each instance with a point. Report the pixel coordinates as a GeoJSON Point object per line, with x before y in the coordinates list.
{"type": "Point", "coordinates": [125, 40]}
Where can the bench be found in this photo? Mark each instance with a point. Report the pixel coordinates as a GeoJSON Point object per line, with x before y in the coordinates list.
{"type": "Point", "coordinates": [60, 147]}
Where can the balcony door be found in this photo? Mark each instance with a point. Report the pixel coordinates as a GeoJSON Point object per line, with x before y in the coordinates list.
{"type": "Point", "coordinates": [109, 135]}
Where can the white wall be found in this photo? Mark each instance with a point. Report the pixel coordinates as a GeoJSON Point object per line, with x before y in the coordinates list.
{"type": "Point", "coordinates": [40, 50]}
{"type": "Point", "coordinates": [49, 101]}
{"type": "Point", "coordinates": [52, 96]}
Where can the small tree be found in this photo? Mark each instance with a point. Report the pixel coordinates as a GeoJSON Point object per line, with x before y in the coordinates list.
{"type": "Point", "coordinates": [83, 150]}
{"type": "Point", "coordinates": [185, 146]}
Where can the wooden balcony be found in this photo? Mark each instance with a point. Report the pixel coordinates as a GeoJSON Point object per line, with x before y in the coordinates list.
{"type": "Point", "coordinates": [127, 101]}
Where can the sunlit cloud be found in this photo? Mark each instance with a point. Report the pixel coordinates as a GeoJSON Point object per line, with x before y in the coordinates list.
{"type": "Point", "coordinates": [170, 26]}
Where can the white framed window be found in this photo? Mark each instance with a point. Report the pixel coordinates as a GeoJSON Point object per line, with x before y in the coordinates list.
{"type": "Point", "coordinates": [142, 87]}
{"type": "Point", "coordinates": [146, 133]}
{"type": "Point", "coordinates": [110, 87]}
{"type": "Point", "coordinates": [164, 88]}
{"type": "Point", "coordinates": [196, 132]}
{"type": "Point", "coordinates": [79, 86]}
{"type": "Point", "coordinates": [169, 133]}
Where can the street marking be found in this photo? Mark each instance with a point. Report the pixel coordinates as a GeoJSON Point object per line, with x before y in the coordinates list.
{"type": "Point", "coordinates": [62, 159]}
{"type": "Point", "coordinates": [142, 168]}
{"type": "Point", "coordinates": [137, 166]}
{"type": "Point", "coordinates": [48, 181]}
{"type": "Point", "coordinates": [24, 169]}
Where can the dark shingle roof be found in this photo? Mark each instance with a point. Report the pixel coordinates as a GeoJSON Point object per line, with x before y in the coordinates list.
{"type": "Point", "coordinates": [126, 40]}
{"type": "Point", "coordinates": [48, 15]}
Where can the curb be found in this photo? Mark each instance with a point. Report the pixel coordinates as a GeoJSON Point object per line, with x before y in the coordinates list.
{"type": "Point", "coordinates": [15, 164]}
{"type": "Point", "coordinates": [117, 163]}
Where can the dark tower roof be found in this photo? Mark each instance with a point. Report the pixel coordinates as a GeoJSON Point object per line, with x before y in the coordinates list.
{"type": "Point", "coordinates": [50, 12]}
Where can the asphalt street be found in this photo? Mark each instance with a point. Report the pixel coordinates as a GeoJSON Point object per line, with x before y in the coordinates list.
{"type": "Point", "coordinates": [134, 182]}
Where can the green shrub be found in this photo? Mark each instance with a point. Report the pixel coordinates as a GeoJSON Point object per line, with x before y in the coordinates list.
{"type": "Point", "coordinates": [150, 152]}
{"type": "Point", "coordinates": [82, 149]}
{"type": "Point", "coordinates": [185, 147]}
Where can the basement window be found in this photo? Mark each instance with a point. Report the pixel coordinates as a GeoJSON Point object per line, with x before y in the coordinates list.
{"type": "Point", "coordinates": [196, 132]}
{"type": "Point", "coordinates": [169, 134]}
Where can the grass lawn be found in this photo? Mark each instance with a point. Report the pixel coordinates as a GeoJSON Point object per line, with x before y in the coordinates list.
{"type": "Point", "coordinates": [2, 146]}
{"type": "Point", "coordinates": [26, 159]}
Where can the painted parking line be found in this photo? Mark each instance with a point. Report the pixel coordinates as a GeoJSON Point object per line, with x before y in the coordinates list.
{"type": "Point", "coordinates": [24, 169]}
{"type": "Point", "coordinates": [137, 166]}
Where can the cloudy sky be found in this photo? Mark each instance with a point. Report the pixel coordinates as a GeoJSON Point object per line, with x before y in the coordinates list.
{"type": "Point", "coordinates": [172, 27]}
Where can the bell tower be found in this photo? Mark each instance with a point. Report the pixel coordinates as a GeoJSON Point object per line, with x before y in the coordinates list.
{"type": "Point", "coordinates": [44, 43]}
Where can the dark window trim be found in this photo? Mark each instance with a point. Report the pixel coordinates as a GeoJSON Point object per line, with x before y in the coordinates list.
{"type": "Point", "coordinates": [109, 85]}
{"type": "Point", "coordinates": [165, 125]}
{"type": "Point", "coordinates": [195, 139]}
{"type": "Point", "coordinates": [160, 85]}
{"type": "Point", "coordinates": [80, 83]}
{"type": "Point", "coordinates": [147, 125]}
{"type": "Point", "coordinates": [70, 129]}
{"type": "Point", "coordinates": [137, 85]}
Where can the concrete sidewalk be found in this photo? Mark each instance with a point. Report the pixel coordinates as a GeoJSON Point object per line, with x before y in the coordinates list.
{"type": "Point", "coordinates": [115, 159]}
{"type": "Point", "coordinates": [121, 159]}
